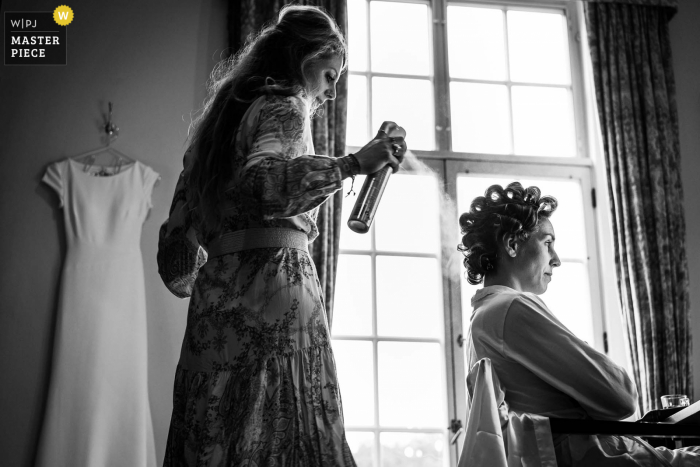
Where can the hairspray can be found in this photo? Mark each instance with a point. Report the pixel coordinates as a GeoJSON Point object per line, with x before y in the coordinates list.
{"type": "Point", "coordinates": [372, 189]}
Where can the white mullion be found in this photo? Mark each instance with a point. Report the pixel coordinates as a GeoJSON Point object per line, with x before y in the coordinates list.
{"type": "Point", "coordinates": [440, 73]}
{"type": "Point", "coordinates": [383, 74]}
{"type": "Point", "coordinates": [524, 5]}
{"type": "Point", "coordinates": [523, 170]}
{"type": "Point", "coordinates": [401, 254]}
{"type": "Point", "coordinates": [544, 161]}
{"type": "Point", "coordinates": [514, 83]}
{"type": "Point", "coordinates": [576, 74]}
{"type": "Point", "coordinates": [450, 238]}
{"type": "Point", "coordinates": [399, 429]}
{"type": "Point", "coordinates": [430, 340]}
{"type": "Point", "coordinates": [369, 71]}
{"type": "Point", "coordinates": [375, 345]}
{"type": "Point", "coordinates": [506, 45]}
{"type": "Point", "coordinates": [417, 2]}
{"type": "Point", "coordinates": [593, 265]}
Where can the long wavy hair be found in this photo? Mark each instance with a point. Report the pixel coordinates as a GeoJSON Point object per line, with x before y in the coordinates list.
{"type": "Point", "coordinates": [276, 60]}
{"type": "Point", "coordinates": [511, 210]}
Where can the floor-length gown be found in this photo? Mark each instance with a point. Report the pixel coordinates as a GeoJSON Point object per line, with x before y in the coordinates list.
{"type": "Point", "coordinates": [256, 384]}
{"type": "Point", "coordinates": [97, 412]}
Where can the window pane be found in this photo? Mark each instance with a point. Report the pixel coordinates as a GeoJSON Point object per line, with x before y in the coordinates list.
{"type": "Point", "coordinates": [352, 312]}
{"type": "Point", "coordinates": [400, 38]}
{"type": "Point", "coordinates": [412, 449]}
{"type": "Point", "coordinates": [475, 43]}
{"type": "Point", "coordinates": [411, 389]}
{"type": "Point", "coordinates": [568, 297]}
{"type": "Point", "coordinates": [355, 365]}
{"type": "Point", "coordinates": [362, 447]}
{"type": "Point", "coordinates": [408, 102]}
{"type": "Point", "coordinates": [402, 314]}
{"type": "Point", "coordinates": [356, 132]}
{"type": "Point", "coordinates": [543, 123]}
{"type": "Point", "coordinates": [350, 240]}
{"type": "Point", "coordinates": [408, 217]}
{"type": "Point", "coordinates": [357, 38]}
{"type": "Point", "coordinates": [538, 47]}
{"type": "Point", "coordinates": [480, 118]}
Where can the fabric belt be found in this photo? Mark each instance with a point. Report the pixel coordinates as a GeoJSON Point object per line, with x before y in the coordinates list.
{"type": "Point", "coordinates": [249, 239]}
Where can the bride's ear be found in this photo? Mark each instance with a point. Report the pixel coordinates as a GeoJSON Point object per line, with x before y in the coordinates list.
{"type": "Point", "coordinates": [510, 244]}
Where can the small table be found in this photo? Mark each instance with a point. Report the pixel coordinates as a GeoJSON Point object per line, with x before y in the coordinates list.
{"type": "Point", "coordinates": [684, 424]}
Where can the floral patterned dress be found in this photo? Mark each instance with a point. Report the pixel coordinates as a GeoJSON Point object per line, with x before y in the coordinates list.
{"type": "Point", "coordinates": [256, 382]}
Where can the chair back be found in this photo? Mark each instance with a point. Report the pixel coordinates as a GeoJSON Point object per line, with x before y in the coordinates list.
{"type": "Point", "coordinates": [483, 440]}
{"type": "Point", "coordinates": [495, 436]}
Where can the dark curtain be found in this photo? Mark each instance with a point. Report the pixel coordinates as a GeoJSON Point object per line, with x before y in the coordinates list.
{"type": "Point", "coordinates": [635, 92]}
{"type": "Point", "coordinates": [247, 16]}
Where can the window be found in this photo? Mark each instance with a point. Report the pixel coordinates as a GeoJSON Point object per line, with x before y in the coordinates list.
{"type": "Point", "coordinates": [388, 333]}
{"type": "Point", "coordinates": [488, 92]}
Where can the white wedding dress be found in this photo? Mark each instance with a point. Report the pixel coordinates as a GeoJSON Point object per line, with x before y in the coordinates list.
{"type": "Point", "coordinates": [97, 412]}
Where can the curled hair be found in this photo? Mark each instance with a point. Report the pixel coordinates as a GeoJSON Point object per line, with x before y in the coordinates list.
{"type": "Point", "coordinates": [512, 210]}
{"type": "Point", "coordinates": [276, 60]}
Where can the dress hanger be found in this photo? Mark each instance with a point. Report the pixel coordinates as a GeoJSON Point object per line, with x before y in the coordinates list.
{"type": "Point", "coordinates": [118, 155]}
{"type": "Point", "coordinates": [119, 159]}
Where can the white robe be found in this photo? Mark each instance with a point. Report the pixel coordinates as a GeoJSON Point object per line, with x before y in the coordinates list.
{"type": "Point", "coordinates": [546, 370]}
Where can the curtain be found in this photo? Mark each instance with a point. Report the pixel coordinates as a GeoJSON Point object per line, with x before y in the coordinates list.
{"type": "Point", "coordinates": [663, 3]}
{"type": "Point", "coordinates": [247, 16]}
{"type": "Point", "coordinates": [635, 91]}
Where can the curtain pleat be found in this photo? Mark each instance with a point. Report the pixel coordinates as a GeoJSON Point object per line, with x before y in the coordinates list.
{"type": "Point", "coordinates": [634, 85]}
{"type": "Point", "coordinates": [248, 16]}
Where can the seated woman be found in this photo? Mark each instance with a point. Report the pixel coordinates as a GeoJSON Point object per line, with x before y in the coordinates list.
{"type": "Point", "coordinates": [508, 242]}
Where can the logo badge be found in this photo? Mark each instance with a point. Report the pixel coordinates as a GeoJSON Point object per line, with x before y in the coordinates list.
{"type": "Point", "coordinates": [63, 15]}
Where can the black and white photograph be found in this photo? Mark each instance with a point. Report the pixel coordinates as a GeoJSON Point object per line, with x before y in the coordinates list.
{"type": "Point", "coordinates": [339, 233]}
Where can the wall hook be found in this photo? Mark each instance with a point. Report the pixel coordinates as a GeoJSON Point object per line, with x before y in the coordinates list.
{"type": "Point", "coordinates": [110, 128]}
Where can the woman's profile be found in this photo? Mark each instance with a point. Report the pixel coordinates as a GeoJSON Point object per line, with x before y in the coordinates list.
{"type": "Point", "coordinates": [256, 382]}
{"type": "Point", "coordinates": [509, 246]}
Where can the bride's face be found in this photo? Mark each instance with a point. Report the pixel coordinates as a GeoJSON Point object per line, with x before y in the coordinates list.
{"type": "Point", "coordinates": [535, 259]}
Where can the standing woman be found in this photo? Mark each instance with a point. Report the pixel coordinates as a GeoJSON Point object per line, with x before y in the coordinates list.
{"type": "Point", "coordinates": [256, 382]}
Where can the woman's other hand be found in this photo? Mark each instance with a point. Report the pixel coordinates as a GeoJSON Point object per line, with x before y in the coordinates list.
{"type": "Point", "coordinates": [383, 150]}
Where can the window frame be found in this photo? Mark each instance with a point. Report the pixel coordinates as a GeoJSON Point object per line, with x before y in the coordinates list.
{"type": "Point", "coordinates": [445, 340]}
{"type": "Point", "coordinates": [585, 166]}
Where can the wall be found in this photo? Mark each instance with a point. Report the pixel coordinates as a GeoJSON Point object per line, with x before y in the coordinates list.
{"type": "Point", "coordinates": [685, 44]}
{"type": "Point", "coordinates": [152, 59]}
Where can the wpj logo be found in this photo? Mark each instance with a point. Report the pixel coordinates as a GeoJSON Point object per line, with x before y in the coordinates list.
{"type": "Point", "coordinates": [37, 38]}
{"type": "Point", "coordinates": [22, 23]}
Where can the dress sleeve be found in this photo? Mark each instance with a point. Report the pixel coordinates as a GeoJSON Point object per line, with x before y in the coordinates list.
{"type": "Point", "coordinates": [276, 176]}
{"type": "Point", "coordinates": [150, 180]}
{"type": "Point", "coordinates": [179, 253]}
{"type": "Point", "coordinates": [53, 177]}
{"type": "Point", "coordinates": [537, 340]}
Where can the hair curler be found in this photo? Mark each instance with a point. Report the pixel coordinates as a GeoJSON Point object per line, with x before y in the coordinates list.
{"type": "Point", "coordinates": [367, 202]}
